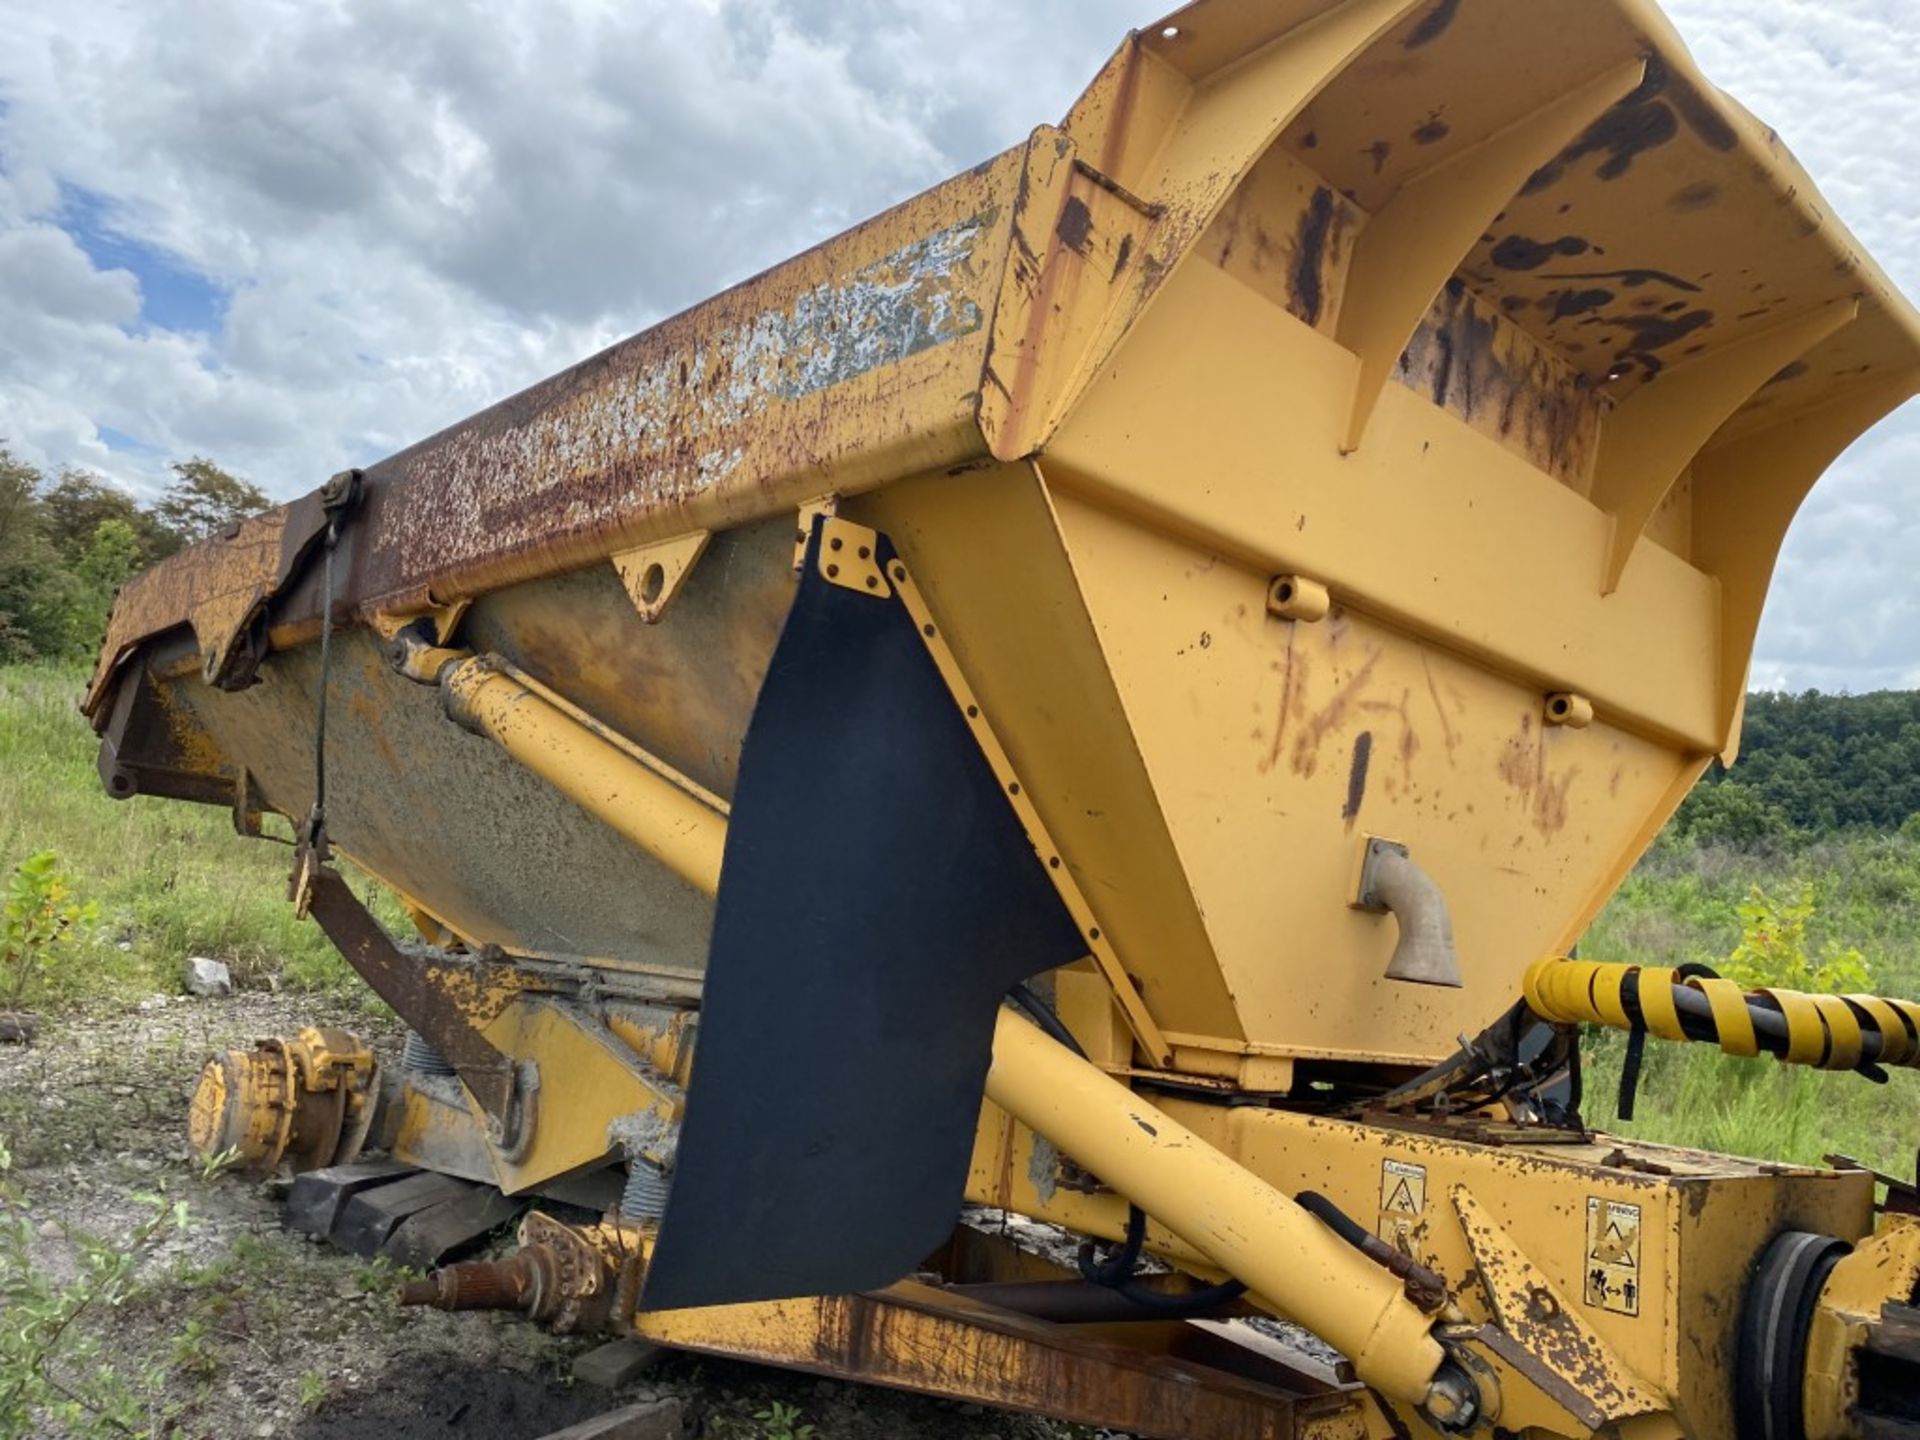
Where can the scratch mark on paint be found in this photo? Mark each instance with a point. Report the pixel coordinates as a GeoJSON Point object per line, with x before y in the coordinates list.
{"type": "Point", "coordinates": [1446, 726]}
{"type": "Point", "coordinates": [1286, 700]}
{"type": "Point", "coordinates": [1306, 748]}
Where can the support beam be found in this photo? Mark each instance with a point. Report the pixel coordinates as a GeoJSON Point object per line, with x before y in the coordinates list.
{"type": "Point", "coordinates": [440, 1003]}
{"type": "Point", "coordinates": [1745, 495]}
{"type": "Point", "coordinates": [1232, 117]}
{"type": "Point", "coordinates": [1217, 124]}
{"type": "Point", "coordinates": [1654, 435]}
{"type": "Point", "coordinates": [1420, 237]}
{"type": "Point", "coordinates": [934, 1341]}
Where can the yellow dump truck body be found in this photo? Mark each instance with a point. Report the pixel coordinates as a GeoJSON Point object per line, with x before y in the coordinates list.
{"type": "Point", "coordinates": [1357, 425]}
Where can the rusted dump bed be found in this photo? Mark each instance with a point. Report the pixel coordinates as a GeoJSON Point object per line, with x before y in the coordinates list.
{"type": "Point", "coordinates": [1242, 575]}
{"type": "Point", "coordinates": [1492, 319]}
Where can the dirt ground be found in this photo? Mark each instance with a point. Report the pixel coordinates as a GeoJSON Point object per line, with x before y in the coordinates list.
{"type": "Point", "coordinates": [241, 1329]}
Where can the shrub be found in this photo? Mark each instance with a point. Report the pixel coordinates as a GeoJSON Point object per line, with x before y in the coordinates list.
{"type": "Point", "coordinates": [38, 919]}
{"type": "Point", "coordinates": [1774, 949]}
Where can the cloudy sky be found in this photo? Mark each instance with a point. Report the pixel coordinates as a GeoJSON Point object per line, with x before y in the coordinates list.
{"type": "Point", "coordinates": [299, 234]}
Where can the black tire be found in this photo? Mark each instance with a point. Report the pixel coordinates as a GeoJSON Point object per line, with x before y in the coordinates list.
{"type": "Point", "coordinates": [1771, 1361]}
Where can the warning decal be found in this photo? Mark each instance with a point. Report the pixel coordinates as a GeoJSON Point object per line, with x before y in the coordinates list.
{"type": "Point", "coordinates": [1403, 1204]}
{"type": "Point", "coordinates": [1613, 1256]}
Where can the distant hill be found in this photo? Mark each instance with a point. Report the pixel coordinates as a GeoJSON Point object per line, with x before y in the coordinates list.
{"type": "Point", "coordinates": [1814, 764]}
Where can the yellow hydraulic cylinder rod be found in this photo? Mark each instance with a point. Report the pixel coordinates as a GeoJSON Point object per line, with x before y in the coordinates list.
{"type": "Point", "coordinates": [1833, 1032]}
{"type": "Point", "coordinates": [665, 815]}
{"type": "Point", "coordinates": [1242, 1224]}
{"type": "Point", "coordinates": [1238, 1221]}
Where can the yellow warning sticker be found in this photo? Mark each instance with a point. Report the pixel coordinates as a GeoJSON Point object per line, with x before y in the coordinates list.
{"type": "Point", "coordinates": [1403, 1204]}
{"type": "Point", "coordinates": [1613, 1256]}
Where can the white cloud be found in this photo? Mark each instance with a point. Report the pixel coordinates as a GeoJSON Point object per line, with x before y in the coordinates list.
{"type": "Point", "coordinates": [415, 209]}
{"type": "Point", "coordinates": [55, 277]}
{"type": "Point", "coordinates": [1840, 81]}
{"type": "Point", "coordinates": [419, 209]}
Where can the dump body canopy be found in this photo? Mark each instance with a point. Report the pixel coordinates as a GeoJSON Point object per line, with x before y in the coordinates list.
{"type": "Point", "coordinates": [1492, 317]}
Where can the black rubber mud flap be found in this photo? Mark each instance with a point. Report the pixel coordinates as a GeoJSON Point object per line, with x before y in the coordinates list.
{"type": "Point", "coordinates": [877, 899]}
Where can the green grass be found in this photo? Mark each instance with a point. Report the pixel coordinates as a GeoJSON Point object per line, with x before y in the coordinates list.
{"type": "Point", "coordinates": [1680, 905]}
{"type": "Point", "coordinates": [170, 879]}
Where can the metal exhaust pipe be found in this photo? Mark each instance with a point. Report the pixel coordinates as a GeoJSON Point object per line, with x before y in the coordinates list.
{"type": "Point", "coordinates": [1393, 884]}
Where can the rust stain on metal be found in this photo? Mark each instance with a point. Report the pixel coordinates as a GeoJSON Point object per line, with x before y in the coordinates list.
{"type": "Point", "coordinates": [1540, 1334]}
{"type": "Point", "coordinates": [1287, 236]}
{"type": "Point", "coordinates": [1076, 224]}
{"type": "Point", "coordinates": [1691, 199]}
{"type": "Point", "coordinates": [1519, 757]}
{"type": "Point", "coordinates": [921, 1339]}
{"type": "Point", "coordinates": [1409, 740]}
{"type": "Point", "coordinates": [1649, 118]}
{"type": "Point", "coordinates": [1475, 363]}
{"type": "Point", "coordinates": [444, 1006]}
{"type": "Point", "coordinates": [1550, 806]}
{"type": "Point", "coordinates": [1447, 735]}
{"type": "Point", "coordinates": [663, 419]}
{"type": "Point", "coordinates": [1519, 252]}
{"type": "Point", "coordinates": [218, 588]}
{"type": "Point", "coordinates": [1524, 766]}
{"type": "Point", "coordinates": [1308, 292]}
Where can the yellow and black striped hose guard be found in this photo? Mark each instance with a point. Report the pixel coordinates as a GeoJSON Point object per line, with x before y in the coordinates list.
{"type": "Point", "coordinates": [1831, 1032]}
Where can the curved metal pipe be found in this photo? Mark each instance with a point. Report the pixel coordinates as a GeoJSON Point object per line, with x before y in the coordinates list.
{"type": "Point", "coordinates": [1394, 883]}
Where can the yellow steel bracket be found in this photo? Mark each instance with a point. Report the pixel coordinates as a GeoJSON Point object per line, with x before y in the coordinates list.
{"type": "Point", "coordinates": [849, 558]}
{"type": "Point", "coordinates": [857, 547]}
{"type": "Point", "coordinates": [1647, 443]}
{"type": "Point", "coordinates": [1746, 492]}
{"type": "Point", "coordinates": [654, 573]}
{"type": "Point", "coordinates": [810, 511]}
{"type": "Point", "coordinates": [1413, 244]}
{"type": "Point", "coordinates": [1544, 1340]}
{"type": "Point", "coordinates": [446, 619]}
{"type": "Point", "coordinates": [1109, 206]}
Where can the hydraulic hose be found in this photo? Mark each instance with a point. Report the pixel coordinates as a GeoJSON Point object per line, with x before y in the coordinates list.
{"type": "Point", "coordinates": [1425, 1288]}
{"type": "Point", "coordinates": [1119, 1273]}
{"type": "Point", "coordinates": [1832, 1032]}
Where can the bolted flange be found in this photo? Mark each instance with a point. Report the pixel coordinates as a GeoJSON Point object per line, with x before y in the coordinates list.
{"type": "Point", "coordinates": [307, 1099]}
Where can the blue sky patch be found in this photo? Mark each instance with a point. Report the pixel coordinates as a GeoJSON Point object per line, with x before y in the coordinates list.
{"type": "Point", "coordinates": [173, 295]}
{"type": "Point", "coordinates": [122, 443]}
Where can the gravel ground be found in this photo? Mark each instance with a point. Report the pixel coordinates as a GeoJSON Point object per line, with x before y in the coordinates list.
{"type": "Point", "coordinates": [243, 1330]}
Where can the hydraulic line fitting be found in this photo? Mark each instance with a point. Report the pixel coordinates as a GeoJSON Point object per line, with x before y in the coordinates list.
{"type": "Point", "coordinates": [567, 1278]}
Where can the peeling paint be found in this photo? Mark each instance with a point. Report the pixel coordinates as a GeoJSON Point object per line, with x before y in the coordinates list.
{"type": "Point", "coordinates": [689, 412]}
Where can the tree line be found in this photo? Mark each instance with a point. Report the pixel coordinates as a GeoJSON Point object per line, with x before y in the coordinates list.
{"type": "Point", "coordinates": [69, 541]}
{"type": "Point", "coordinates": [1815, 764]}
